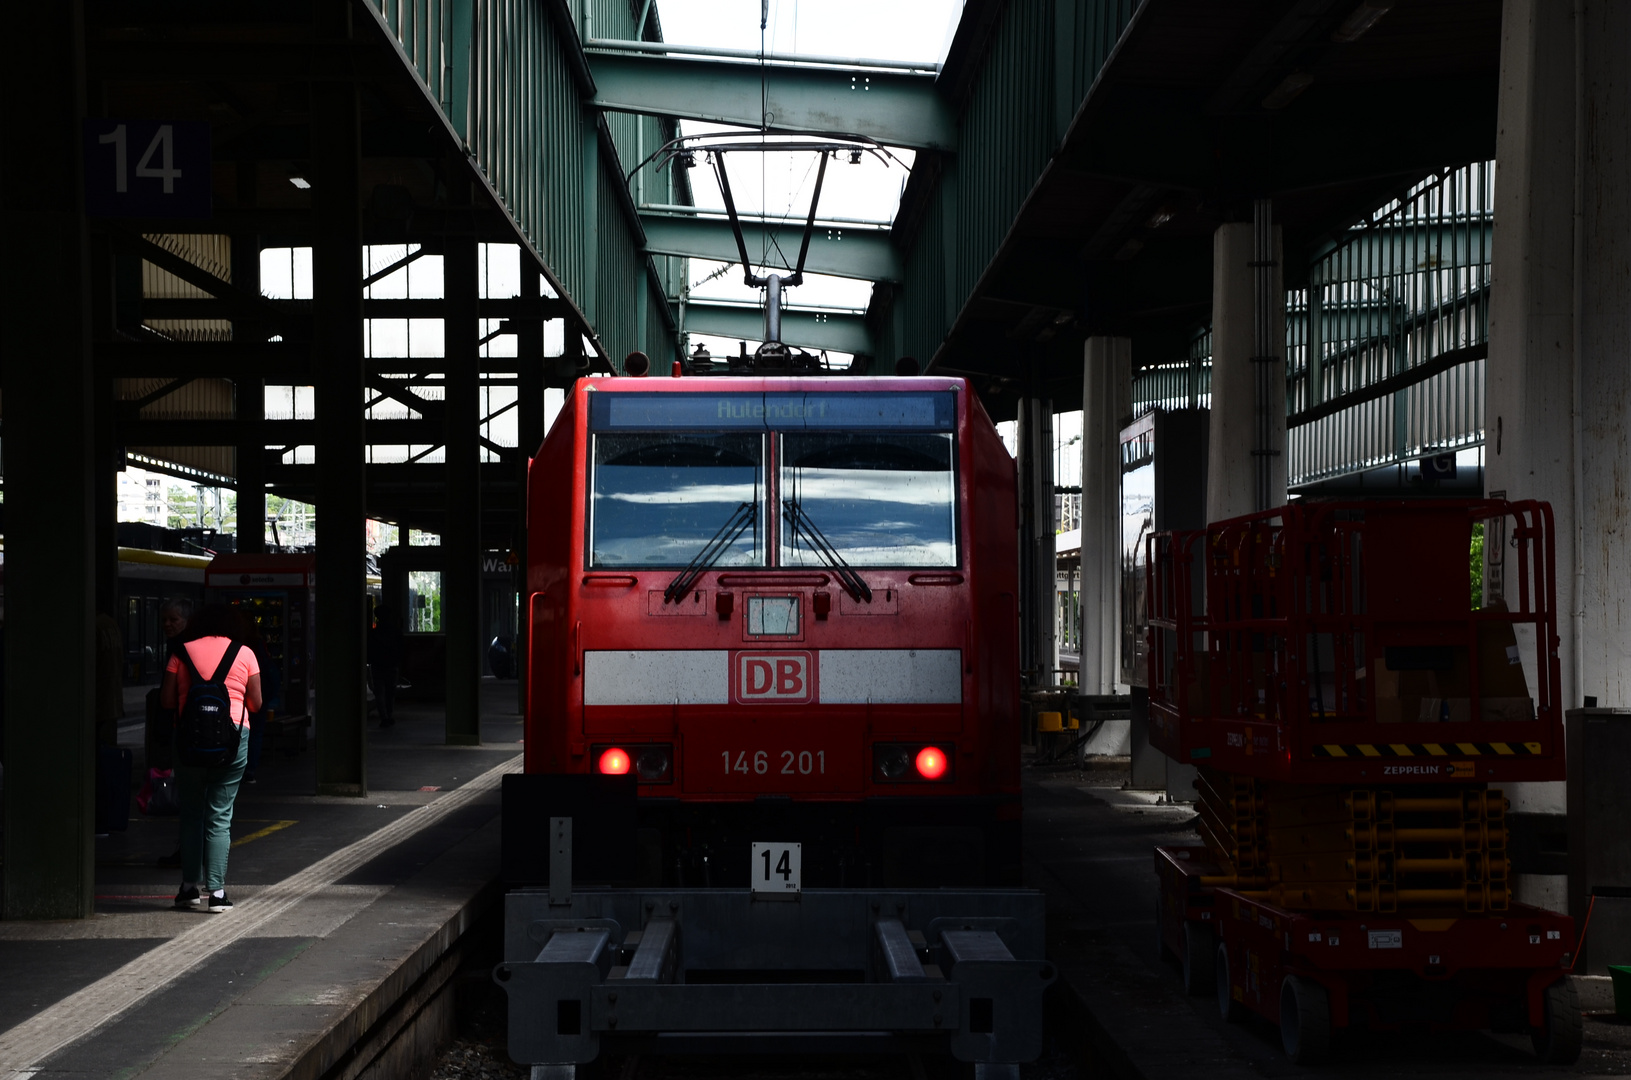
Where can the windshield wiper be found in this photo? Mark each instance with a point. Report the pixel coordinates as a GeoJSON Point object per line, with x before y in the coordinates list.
{"type": "Point", "coordinates": [711, 552]}
{"type": "Point", "coordinates": [818, 543]}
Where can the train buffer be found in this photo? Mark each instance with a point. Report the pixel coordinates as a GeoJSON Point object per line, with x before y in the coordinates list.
{"type": "Point", "coordinates": [674, 970]}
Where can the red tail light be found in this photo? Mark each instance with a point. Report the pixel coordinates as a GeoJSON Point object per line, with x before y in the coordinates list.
{"type": "Point", "coordinates": [931, 763]}
{"type": "Point", "coordinates": [911, 763]}
{"type": "Point", "coordinates": [651, 763]}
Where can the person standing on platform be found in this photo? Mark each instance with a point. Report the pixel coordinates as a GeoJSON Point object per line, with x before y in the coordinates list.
{"type": "Point", "coordinates": [208, 791]}
{"type": "Point", "coordinates": [384, 661]}
{"type": "Point", "coordinates": [159, 736]}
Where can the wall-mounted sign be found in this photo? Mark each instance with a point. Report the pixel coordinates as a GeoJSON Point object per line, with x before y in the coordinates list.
{"type": "Point", "coordinates": [147, 168]}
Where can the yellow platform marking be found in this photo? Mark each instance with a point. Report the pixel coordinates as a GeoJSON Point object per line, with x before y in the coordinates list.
{"type": "Point", "coordinates": [1470, 749]}
{"type": "Point", "coordinates": [1335, 750]}
{"type": "Point", "coordinates": [258, 833]}
{"type": "Point", "coordinates": [1501, 748]}
{"type": "Point", "coordinates": [1402, 749]}
{"type": "Point", "coordinates": [1436, 750]}
{"type": "Point", "coordinates": [1368, 750]}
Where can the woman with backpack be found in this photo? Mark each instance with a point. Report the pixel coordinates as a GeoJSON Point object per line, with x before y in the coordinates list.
{"type": "Point", "coordinates": [213, 682]}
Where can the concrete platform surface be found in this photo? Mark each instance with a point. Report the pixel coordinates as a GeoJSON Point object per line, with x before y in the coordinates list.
{"type": "Point", "coordinates": [1088, 845]}
{"type": "Point", "coordinates": [345, 908]}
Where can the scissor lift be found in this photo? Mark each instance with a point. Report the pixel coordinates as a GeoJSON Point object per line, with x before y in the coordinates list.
{"type": "Point", "coordinates": [1348, 709]}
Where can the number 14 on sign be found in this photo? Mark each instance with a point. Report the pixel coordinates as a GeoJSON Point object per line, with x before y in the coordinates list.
{"type": "Point", "coordinates": [775, 870]}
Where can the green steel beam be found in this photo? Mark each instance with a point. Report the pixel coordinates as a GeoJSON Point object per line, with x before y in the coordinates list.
{"type": "Point", "coordinates": [894, 108]}
{"type": "Point", "coordinates": [806, 329]}
{"type": "Point", "coordinates": [1386, 250]}
{"type": "Point", "coordinates": [855, 253]}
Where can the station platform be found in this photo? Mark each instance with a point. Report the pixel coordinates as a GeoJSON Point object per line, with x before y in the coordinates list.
{"type": "Point", "coordinates": [350, 920]}
{"type": "Point", "coordinates": [1089, 845]}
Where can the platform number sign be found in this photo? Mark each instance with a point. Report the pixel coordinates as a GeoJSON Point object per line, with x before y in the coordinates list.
{"type": "Point", "coordinates": [147, 168]}
{"type": "Point", "coordinates": [775, 870]}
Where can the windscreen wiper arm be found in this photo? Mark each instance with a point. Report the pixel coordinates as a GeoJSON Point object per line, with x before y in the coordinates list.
{"type": "Point", "coordinates": [853, 583]}
{"type": "Point", "coordinates": [711, 552]}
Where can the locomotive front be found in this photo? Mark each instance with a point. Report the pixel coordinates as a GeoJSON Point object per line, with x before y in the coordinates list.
{"type": "Point", "coordinates": [785, 608]}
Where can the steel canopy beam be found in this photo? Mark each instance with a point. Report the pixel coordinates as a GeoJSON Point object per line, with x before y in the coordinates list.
{"type": "Point", "coordinates": [806, 329]}
{"type": "Point", "coordinates": [893, 108]}
{"type": "Point", "coordinates": [856, 253]}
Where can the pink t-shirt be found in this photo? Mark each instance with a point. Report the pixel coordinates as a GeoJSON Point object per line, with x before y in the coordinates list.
{"type": "Point", "coordinates": [206, 654]}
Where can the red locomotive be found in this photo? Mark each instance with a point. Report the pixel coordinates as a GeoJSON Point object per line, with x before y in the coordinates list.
{"type": "Point", "coordinates": [1349, 707]}
{"type": "Point", "coordinates": [787, 607]}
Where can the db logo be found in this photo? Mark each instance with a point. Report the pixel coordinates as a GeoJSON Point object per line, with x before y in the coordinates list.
{"type": "Point", "coordinates": [779, 676]}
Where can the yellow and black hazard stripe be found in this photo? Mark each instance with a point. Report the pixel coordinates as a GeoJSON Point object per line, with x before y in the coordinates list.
{"type": "Point", "coordinates": [1406, 750]}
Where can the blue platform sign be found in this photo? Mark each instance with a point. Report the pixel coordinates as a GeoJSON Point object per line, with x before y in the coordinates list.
{"type": "Point", "coordinates": [147, 168]}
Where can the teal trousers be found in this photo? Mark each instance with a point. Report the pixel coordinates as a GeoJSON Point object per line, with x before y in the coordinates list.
{"type": "Point", "coordinates": [207, 795]}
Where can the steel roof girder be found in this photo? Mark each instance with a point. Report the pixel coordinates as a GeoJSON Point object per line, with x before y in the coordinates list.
{"type": "Point", "coordinates": [866, 255]}
{"type": "Point", "coordinates": [806, 329]}
{"type": "Point", "coordinates": [893, 108]}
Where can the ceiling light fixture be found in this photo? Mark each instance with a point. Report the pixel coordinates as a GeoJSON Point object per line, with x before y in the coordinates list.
{"type": "Point", "coordinates": [300, 182]}
{"type": "Point", "coordinates": [1287, 91]}
{"type": "Point", "coordinates": [1361, 19]}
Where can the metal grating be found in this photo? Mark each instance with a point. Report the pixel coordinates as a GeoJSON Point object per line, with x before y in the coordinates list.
{"type": "Point", "coordinates": [507, 77]}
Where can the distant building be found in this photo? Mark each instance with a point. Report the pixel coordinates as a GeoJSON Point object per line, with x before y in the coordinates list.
{"type": "Point", "coordinates": [141, 497]}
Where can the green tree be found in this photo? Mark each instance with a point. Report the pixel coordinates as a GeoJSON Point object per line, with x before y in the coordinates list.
{"type": "Point", "coordinates": [180, 507]}
{"type": "Point", "coordinates": [1475, 565]}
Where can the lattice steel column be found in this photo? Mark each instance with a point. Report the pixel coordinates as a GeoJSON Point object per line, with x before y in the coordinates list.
{"type": "Point", "coordinates": [529, 348]}
{"type": "Point", "coordinates": [461, 529]}
{"type": "Point", "coordinates": [1039, 654]}
{"type": "Point", "coordinates": [337, 357]}
{"type": "Point", "coordinates": [249, 391]}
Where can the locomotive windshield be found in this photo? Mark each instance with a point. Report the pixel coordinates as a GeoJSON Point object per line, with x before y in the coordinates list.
{"type": "Point", "coordinates": [878, 498]}
{"type": "Point", "coordinates": [659, 498]}
{"type": "Point", "coordinates": [681, 476]}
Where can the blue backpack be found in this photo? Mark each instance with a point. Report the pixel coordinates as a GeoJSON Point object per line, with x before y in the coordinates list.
{"type": "Point", "coordinates": [205, 733]}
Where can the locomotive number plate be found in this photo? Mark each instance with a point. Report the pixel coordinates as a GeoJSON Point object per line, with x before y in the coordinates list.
{"type": "Point", "coordinates": [770, 758]}
{"type": "Point", "coordinates": [775, 870]}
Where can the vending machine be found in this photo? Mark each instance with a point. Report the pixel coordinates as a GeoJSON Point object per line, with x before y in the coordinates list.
{"type": "Point", "coordinates": [278, 592]}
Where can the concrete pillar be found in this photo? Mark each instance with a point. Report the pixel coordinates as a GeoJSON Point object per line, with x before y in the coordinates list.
{"type": "Point", "coordinates": [337, 357]}
{"type": "Point", "coordinates": [45, 308]}
{"type": "Point", "coordinates": [1603, 564]}
{"type": "Point", "coordinates": [1231, 476]}
{"type": "Point", "coordinates": [1558, 377]}
{"type": "Point", "coordinates": [1529, 376]}
{"type": "Point", "coordinates": [1107, 401]}
{"type": "Point", "coordinates": [461, 529]}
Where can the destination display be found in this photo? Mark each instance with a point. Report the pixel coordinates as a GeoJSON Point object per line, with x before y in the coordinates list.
{"type": "Point", "coordinates": [645, 411]}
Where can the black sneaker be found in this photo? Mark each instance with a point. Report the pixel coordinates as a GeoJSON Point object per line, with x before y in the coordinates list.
{"type": "Point", "coordinates": [188, 899]}
{"type": "Point", "coordinates": [218, 902]}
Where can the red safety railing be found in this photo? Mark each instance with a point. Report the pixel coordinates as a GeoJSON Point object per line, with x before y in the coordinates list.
{"type": "Point", "coordinates": [1339, 642]}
